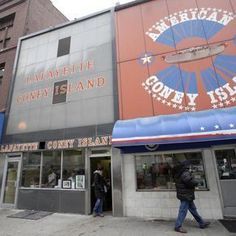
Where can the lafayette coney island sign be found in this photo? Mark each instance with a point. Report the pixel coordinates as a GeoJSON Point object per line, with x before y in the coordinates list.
{"type": "Point", "coordinates": [58, 144]}
{"type": "Point", "coordinates": [179, 86]}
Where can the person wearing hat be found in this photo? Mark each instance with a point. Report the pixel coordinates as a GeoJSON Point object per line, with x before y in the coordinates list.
{"type": "Point", "coordinates": [185, 187]}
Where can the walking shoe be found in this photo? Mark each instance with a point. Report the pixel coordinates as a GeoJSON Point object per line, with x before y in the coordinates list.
{"type": "Point", "coordinates": [101, 215]}
{"type": "Point", "coordinates": [205, 225]}
{"type": "Point", "coordinates": [181, 230]}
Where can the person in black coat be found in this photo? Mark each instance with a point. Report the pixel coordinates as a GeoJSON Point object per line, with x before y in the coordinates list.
{"type": "Point", "coordinates": [185, 188]}
{"type": "Point", "coordinates": [100, 190]}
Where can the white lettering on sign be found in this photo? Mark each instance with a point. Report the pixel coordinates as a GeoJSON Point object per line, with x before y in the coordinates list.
{"type": "Point", "coordinates": [158, 89]}
{"type": "Point", "coordinates": [20, 147]}
{"type": "Point", "coordinates": [210, 14]}
{"type": "Point", "coordinates": [79, 142]}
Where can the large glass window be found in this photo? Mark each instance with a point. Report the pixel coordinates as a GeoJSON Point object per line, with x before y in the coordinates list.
{"type": "Point", "coordinates": [51, 169]}
{"type": "Point", "coordinates": [43, 169]}
{"type": "Point", "coordinates": [226, 163]}
{"type": "Point", "coordinates": [154, 171]}
{"type": "Point", "coordinates": [31, 170]}
{"type": "Point", "coordinates": [73, 169]}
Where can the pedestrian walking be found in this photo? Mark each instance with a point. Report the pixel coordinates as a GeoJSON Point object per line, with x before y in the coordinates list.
{"type": "Point", "coordinates": [185, 187]}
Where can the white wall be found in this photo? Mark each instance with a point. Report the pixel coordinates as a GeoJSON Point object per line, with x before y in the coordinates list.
{"type": "Point", "coordinates": [165, 204]}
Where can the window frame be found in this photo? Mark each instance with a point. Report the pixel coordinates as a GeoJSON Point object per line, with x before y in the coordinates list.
{"type": "Point", "coordinates": [6, 23]}
{"type": "Point", "coordinates": [2, 68]}
{"type": "Point", "coordinates": [61, 171]}
{"type": "Point", "coordinates": [64, 46]}
{"type": "Point", "coordinates": [222, 148]}
{"type": "Point", "coordinates": [169, 152]}
{"type": "Point", "coordinates": [62, 166]}
{"type": "Point", "coordinates": [22, 168]}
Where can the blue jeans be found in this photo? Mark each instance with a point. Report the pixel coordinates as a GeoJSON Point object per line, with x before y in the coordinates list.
{"type": "Point", "coordinates": [98, 206]}
{"type": "Point", "coordinates": [183, 209]}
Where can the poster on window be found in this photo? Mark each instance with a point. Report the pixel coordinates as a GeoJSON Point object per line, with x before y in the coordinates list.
{"type": "Point", "coordinates": [80, 181]}
{"type": "Point", "coordinates": [66, 184]}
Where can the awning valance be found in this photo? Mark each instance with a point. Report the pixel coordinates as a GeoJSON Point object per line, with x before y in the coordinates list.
{"type": "Point", "coordinates": [185, 127]}
{"type": "Point", "coordinates": [1, 125]}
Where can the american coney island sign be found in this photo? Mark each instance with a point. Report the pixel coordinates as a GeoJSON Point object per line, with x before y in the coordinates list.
{"type": "Point", "coordinates": [196, 77]}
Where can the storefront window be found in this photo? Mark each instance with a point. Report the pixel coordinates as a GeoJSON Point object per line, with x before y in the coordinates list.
{"type": "Point", "coordinates": [154, 171]}
{"type": "Point", "coordinates": [51, 169]}
{"type": "Point", "coordinates": [43, 169]}
{"type": "Point", "coordinates": [226, 163]}
{"type": "Point", "coordinates": [73, 169]}
{"type": "Point", "coordinates": [31, 170]}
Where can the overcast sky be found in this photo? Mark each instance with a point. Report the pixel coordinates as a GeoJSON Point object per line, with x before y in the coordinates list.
{"type": "Point", "coordinates": [77, 8]}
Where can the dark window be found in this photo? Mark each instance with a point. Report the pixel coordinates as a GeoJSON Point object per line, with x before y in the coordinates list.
{"type": "Point", "coordinates": [6, 24]}
{"type": "Point", "coordinates": [7, 21]}
{"type": "Point", "coordinates": [63, 47]}
{"type": "Point", "coordinates": [2, 68]}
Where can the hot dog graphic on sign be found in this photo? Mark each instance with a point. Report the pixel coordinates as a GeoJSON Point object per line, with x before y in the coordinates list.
{"type": "Point", "coordinates": [189, 81]}
{"type": "Point", "coordinates": [181, 57]}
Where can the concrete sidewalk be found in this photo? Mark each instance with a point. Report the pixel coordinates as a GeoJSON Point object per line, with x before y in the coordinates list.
{"type": "Point", "coordinates": [80, 225]}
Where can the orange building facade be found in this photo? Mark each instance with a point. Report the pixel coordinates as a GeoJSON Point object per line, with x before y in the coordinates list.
{"type": "Point", "coordinates": [175, 58]}
{"type": "Point", "coordinates": [176, 66]}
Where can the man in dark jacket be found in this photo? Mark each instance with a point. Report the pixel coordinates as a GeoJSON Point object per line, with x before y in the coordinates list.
{"type": "Point", "coordinates": [100, 189]}
{"type": "Point", "coordinates": [185, 187]}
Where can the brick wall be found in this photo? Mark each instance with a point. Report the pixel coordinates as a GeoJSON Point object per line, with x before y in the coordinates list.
{"type": "Point", "coordinates": [43, 14]}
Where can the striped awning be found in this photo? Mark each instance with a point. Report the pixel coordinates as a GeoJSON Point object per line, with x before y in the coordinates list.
{"type": "Point", "coordinates": [187, 127]}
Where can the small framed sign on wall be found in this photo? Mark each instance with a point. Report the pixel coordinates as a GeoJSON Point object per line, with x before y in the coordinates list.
{"type": "Point", "coordinates": [66, 184]}
{"type": "Point", "coordinates": [80, 181]}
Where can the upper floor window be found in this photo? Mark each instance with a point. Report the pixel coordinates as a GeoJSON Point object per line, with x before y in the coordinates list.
{"type": "Point", "coordinates": [6, 24]}
{"type": "Point", "coordinates": [63, 47]}
{"type": "Point", "coordinates": [7, 21]}
{"type": "Point", "coordinates": [2, 69]}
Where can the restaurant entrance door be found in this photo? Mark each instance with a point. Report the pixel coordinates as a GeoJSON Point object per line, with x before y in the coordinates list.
{"type": "Point", "coordinates": [105, 162]}
{"type": "Point", "coordinates": [10, 182]}
{"type": "Point", "coordinates": [226, 166]}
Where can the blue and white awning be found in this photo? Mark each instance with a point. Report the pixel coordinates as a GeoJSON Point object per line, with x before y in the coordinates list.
{"type": "Point", "coordinates": [185, 127]}
{"type": "Point", "coordinates": [1, 125]}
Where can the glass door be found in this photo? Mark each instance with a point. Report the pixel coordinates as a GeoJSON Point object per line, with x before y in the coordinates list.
{"type": "Point", "coordinates": [226, 166]}
{"type": "Point", "coordinates": [10, 182]}
{"type": "Point", "coordinates": [105, 163]}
